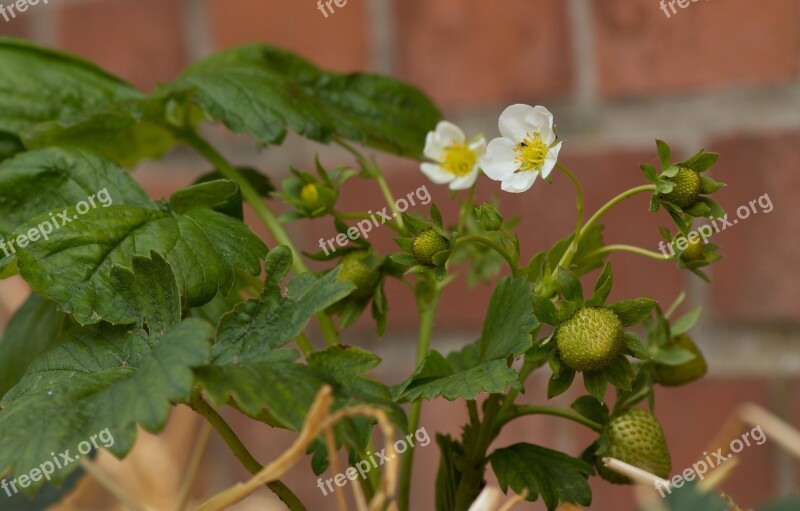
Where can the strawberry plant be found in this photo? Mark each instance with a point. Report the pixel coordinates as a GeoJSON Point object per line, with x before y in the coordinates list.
{"type": "Point", "coordinates": [140, 304]}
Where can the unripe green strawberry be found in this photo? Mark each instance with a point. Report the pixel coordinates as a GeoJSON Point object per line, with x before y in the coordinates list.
{"type": "Point", "coordinates": [687, 188]}
{"type": "Point", "coordinates": [356, 270]}
{"type": "Point", "coordinates": [590, 340]}
{"type": "Point", "coordinates": [309, 194]}
{"type": "Point", "coordinates": [694, 251]}
{"type": "Point", "coordinates": [636, 438]}
{"type": "Point", "coordinates": [674, 376]}
{"type": "Point", "coordinates": [427, 244]}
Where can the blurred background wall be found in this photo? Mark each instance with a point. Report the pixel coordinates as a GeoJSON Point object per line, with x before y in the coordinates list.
{"type": "Point", "coordinates": [724, 75]}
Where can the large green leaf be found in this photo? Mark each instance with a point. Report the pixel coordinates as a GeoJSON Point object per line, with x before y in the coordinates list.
{"type": "Point", "coordinates": [107, 377]}
{"type": "Point", "coordinates": [246, 362]}
{"type": "Point", "coordinates": [263, 91]}
{"type": "Point", "coordinates": [38, 182]}
{"type": "Point", "coordinates": [38, 85]}
{"type": "Point", "coordinates": [436, 377]}
{"type": "Point", "coordinates": [554, 475]}
{"type": "Point", "coordinates": [73, 266]}
{"type": "Point", "coordinates": [509, 321]}
{"type": "Point", "coordinates": [34, 328]}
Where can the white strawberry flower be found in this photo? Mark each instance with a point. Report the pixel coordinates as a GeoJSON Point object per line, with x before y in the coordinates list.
{"type": "Point", "coordinates": [526, 149]}
{"type": "Point", "coordinates": [456, 159]}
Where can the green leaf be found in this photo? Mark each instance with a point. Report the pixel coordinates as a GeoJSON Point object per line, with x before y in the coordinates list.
{"type": "Point", "coordinates": [686, 322]}
{"type": "Point", "coordinates": [709, 186]}
{"type": "Point", "coordinates": [569, 285]}
{"type": "Point", "coordinates": [649, 172]}
{"type": "Point", "coordinates": [124, 132]}
{"type": "Point", "coordinates": [632, 312]}
{"type": "Point", "coordinates": [246, 363]}
{"type": "Point", "coordinates": [701, 161]}
{"type": "Point", "coordinates": [591, 408]}
{"type": "Point", "coordinates": [602, 288]}
{"type": "Point", "coordinates": [544, 310]}
{"type": "Point", "coordinates": [48, 497]}
{"type": "Point", "coordinates": [73, 267]}
{"type": "Point", "coordinates": [663, 153]}
{"type": "Point", "coordinates": [263, 91]}
{"type": "Point", "coordinates": [562, 377]}
{"type": "Point", "coordinates": [10, 145]}
{"type": "Point", "coordinates": [48, 180]}
{"type": "Point", "coordinates": [672, 355]}
{"type": "Point", "coordinates": [554, 475]}
{"type": "Point", "coordinates": [44, 85]}
{"type": "Point", "coordinates": [223, 196]}
{"type": "Point", "coordinates": [436, 377]}
{"type": "Point", "coordinates": [596, 384]}
{"type": "Point", "coordinates": [105, 377]}
{"type": "Point", "coordinates": [635, 347]}
{"type": "Point", "coordinates": [619, 373]}
{"type": "Point", "coordinates": [509, 320]}
{"type": "Point", "coordinates": [33, 329]}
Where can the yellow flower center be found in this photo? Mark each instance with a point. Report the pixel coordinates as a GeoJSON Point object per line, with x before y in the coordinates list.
{"type": "Point", "coordinates": [531, 152]}
{"type": "Point", "coordinates": [310, 195]}
{"type": "Point", "coordinates": [459, 159]}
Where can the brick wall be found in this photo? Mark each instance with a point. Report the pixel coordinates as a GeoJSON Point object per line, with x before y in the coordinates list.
{"type": "Point", "coordinates": [617, 74]}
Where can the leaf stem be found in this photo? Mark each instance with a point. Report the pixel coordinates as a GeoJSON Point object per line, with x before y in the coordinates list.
{"type": "Point", "coordinates": [512, 264]}
{"type": "Point", "coordinates": [524, 410]}
{"type": "Point", "coordinates": [270, 221]}
{"type": "Point", "coordinates": [199, 405]}
{"type": "Point", "coordinates": [629, 248]}
{"type": "Point", "coordinates": [427, 315]}
{"type": "Point", "coordinates": [613, 202]}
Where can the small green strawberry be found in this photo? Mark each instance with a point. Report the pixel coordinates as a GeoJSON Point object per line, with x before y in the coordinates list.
{"type": "Point", "coordinates": [674, 376]}
{"type": "Point", "coordinates": [590, 340]}
{"type": "Point", "coordinates": [428, 244]}
{"type": "Point", "coordinates": [636, 438]}
{"type": "Point", "coordinates": [687, 188]}
{"type": "Point", "coordinates": [356, 270]}
{"type": "Point", "coordinates": [694, 250]}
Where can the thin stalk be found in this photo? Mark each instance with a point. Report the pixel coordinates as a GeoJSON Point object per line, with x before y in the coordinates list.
{"type": "Point", "coordinates": [199, 405]}
{"type": "Point", "coordinates": [427, 315]}
{"type": "Point", "coordinates": [264, 214]}
{"type": "Point", "coordinates": [201, 442]}
{"type": "Point", "coordinates": [465, 209]}
{"type": "Point", "coordinates": [613, 202]}
{"type": "Point", "coordinates": [629, 248]}
{"type": "Point", "coordinates": [570, 252]}
{"type": "Point", "coordinates": [546, 410]}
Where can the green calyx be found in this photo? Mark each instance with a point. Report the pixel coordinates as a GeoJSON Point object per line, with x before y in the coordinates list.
{"type": "Point", "coordinates": [687, 188]}
{"type": "Point", "coordinates": [636, 438]}
{"type": "Point", "coordinates": [674, 376]}
{"type": "Point", "coordinates": [590, 340]}
{"type": "Point", "coordinates": [356, 269]}
{"type": "Point", "coordinates": [428, 244]}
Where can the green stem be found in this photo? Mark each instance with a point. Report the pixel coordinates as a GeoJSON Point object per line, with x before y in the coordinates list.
{"type": "Point", "coordinates": [199, 405]}
{"type": "Point", "coordinates": [613, 202]}
{"type": "Point", "coordinates": [427, 315]}
{"type": "Point", "coordinates": [475, 464]}
{"type": "Point", "coordinates": [466, 206]}
{"type": "Point", "coordinates": [494, 246]}
{"type": "Point", "coordinates": [304, 344]}
{"type": "Point", "coordinates": [523, 410]}
{"type": "Point", "coordinates": [629, 248]}
{"type": "Point", "coordinates": [270, 221]}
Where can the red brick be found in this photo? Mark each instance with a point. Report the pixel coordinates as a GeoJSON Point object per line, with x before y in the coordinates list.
{"type": "Point", "coordinates": [757, 279]}
{"type": "Point", "coordinates": [140, 41]}
{"type": "Point", "coordinates": [468, 52]}
{"type": "Point", "coordinates": [339, 42]}
{"type": "Point", "coordinates": [708, 45]}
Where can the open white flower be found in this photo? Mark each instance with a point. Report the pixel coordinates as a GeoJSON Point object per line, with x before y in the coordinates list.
{"type": "Point", "coordinates": [527, 148]}
{"type": "Point", "coordinates": [456, 158]}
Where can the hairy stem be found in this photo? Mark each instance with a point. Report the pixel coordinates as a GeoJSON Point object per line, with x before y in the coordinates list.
{"type": "Point", "coordinates": [270, 221]}
{"type": "Point", "coordinates": [199, 405]}
{"type": "Point", "coordinates": [629, 248]}
{"type": "Point", "coordinates": [512, 264]}
{"type": "Point", "coordinates": [613, 202]}
{"type": "Point", "coordinates": [523, 410]}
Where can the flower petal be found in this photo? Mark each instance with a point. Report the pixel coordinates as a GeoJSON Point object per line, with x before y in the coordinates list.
{"type": "Point", "coordinates": [550, 160]}
{"type": "Point", "coordinates": [464, 182]}
{"type": "Point", "coordinates": [517, 121]}
{"type": "Point", "coordinates": [446, 134]}
{"type": "Point", "coordinates": [499, 160]}
{"type": "Point", "coordinates": [436, 173]}
{"type": "Point", "coordinates": [478, 147]}
{"type": "Point", "coordinates": [519, 182]}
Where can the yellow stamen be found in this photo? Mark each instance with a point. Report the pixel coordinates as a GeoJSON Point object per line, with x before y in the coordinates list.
{"type": "Point", "coordinates": [531, 152]}
{"type": "Point", "coordinates": [459, 159]}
